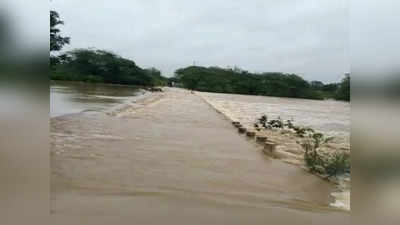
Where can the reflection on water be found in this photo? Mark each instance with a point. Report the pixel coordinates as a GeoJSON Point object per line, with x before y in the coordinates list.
{"type": "Point", "coordinates": [75, 97]}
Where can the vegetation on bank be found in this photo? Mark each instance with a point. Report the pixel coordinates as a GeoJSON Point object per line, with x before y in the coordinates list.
{"type": "Point", "coordinates": [101, 66]}
{"type": "Point", "coordinates": [216, 79]}
{"type": "Point", "coordinates": [329, 163]}
{"type": "Point", "coordinates": [97, 66]}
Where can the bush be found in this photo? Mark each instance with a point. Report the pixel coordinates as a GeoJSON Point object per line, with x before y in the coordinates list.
{"type": "Point", "coordinates": [263, 122]}
{"type": "Point", "coordinates": [330, 164]}
{"type": "Point", "coordinates": [333, 164]}
{"type": "Point", "coordinates": [312, 158]}
{"type": "Point", "coordinates": [338, 163]}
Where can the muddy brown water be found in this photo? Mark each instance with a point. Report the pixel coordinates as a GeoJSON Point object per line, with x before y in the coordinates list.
{"type": "Point", "coordinates": [73, 97]}
{"type": "Point", "coordinates": [175, 161]}
{"type": "Point", "coordinates": [329, 116]}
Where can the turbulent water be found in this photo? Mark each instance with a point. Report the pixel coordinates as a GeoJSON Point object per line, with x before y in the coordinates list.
{"type": "Point", "coordinates": [174, 160]}
{"type": "Point", "coordinates": [330, 117]}
{"type": "Point", "coordinates": [76, 97]}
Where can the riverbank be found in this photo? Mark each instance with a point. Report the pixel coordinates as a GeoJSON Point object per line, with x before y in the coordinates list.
{"type": "Point", "coordinates": [174, 157]}
{"type": "Point", "coordinates": [331, 118]}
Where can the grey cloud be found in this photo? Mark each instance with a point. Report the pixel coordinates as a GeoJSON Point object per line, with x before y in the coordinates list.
{"type": "Point", "coordinates": [305, 37]}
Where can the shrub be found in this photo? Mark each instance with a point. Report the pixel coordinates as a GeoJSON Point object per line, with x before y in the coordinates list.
{"type": "Point", "coordinates": [312, 158]}
{"type": "Point", "coordinates": [263, 119]}
{"type": "Point", "coordinates": [338, 163]}
{"type": "Point", "coordinates": [278, 123]}
{"type": "Point", "coordinates": [330, 164]}
{"type": "Point", "coordinates": [323, 163]}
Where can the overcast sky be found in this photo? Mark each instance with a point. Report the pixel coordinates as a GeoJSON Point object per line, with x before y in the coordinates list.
{"type": "Point", "coordinates": [306, 37]}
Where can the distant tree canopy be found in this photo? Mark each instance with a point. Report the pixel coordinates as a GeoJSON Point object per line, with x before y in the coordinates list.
{"type": "Point", "coordinates": [215, 79]}
{"type": "Point", "coordinates": [330, 87]}
{"type": "Point", "coordinates": [316, 84]}
{"type": "Point", "coordinates": [105, 67]}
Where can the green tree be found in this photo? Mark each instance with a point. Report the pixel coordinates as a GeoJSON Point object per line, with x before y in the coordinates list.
{"type": "Point", "coordinates": [216, 79]}
{"type": "Point", "coordinates": [103, 66]}
{"type": "Point", "coordinates": [157, 78]}
{"type": "Point", "coordinates": [330, 87]}
{"type": "Point", "coordinates": [56, 40]}
{"type": "Point", "coordinates": [317, 85]}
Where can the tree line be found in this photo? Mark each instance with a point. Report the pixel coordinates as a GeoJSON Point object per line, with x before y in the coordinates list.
{"type": "Point", "coordinates": [91, 65]}
{"type": "Point", "coordinates": [238, 81]}
{"type": "Point", "coordinates": [98, 66]}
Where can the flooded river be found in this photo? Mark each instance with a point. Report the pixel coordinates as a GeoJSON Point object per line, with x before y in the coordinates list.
{"type": "Point", "coordinates": [76, 97]}
{"type": "Point", "coordinates": [175, 160]}
{"type": "Point", "coordinates": [330, 117]}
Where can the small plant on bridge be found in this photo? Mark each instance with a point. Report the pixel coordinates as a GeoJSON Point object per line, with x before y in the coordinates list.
{"type": "Point", "coordinates": [330, 164]}
{"type": "Point", "coordinates": [278, 123]}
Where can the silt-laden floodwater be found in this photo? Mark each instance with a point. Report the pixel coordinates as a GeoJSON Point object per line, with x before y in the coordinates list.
{"type": "Point", "coordinates": [330, 117]}
{"type": "Point", "coordinates": [176, 161]}
{"type": "Point", "coordinates": [75, 97]}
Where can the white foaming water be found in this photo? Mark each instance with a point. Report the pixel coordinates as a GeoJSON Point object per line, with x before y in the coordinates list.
{"type": "Point", "coordinates": [342, 200]}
